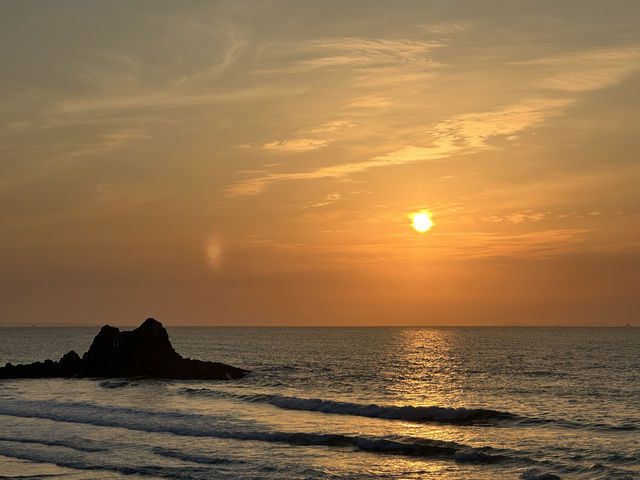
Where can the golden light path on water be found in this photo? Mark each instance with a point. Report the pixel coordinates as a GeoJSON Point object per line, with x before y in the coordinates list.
{"type": "Point", "coordinates": [425, 383]}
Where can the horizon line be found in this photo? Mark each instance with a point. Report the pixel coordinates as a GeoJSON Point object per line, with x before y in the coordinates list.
{"type": "Point", "coordinates": [86, 325]}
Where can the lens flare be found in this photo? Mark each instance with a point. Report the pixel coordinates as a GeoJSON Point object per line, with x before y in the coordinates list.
{"type": "Point", "coordinates": [213, 253]}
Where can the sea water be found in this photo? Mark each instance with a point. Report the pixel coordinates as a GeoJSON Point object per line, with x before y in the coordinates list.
{"type": "Point", "coordinates": [341, 403]}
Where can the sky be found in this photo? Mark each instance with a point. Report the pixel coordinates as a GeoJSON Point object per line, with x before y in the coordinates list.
{"type": "Point", "coordinates": [259, 162]}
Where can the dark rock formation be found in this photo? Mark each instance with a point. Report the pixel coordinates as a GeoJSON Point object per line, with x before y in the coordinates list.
{"type": "Point", "coordinates": [145, 351]}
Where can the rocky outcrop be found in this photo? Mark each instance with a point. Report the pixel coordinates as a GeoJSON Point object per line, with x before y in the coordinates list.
{"type": "Point", "coordinates": [145, 351]}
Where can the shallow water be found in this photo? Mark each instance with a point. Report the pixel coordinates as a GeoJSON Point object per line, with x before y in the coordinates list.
{"type": "Point", "coordinates": [453, 403]}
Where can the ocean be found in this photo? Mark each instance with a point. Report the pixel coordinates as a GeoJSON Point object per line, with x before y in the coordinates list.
{"type": "Point", "coordinates": [337, 403]}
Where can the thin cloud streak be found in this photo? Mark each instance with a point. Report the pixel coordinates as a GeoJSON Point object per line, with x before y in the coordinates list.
{"type": "Point", "coordinates": [405, 155]}
{"type": "Point", "coordinates": [585, 70]}
{"type": "Point", "coordinates": [406, 249]}
{"type": "Point", "coordinates": [297, 145]}
{"type": "Point", "coordinates": [361, 52]}
{"type": "Point", "coordinates": [458, 135]}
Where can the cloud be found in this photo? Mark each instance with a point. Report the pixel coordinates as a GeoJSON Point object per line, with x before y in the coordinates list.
{"type": "Point", "coordinates": [298, 145]}
{"type": "Point", "coordinates": [521, 217]}
{"type": "Point", "coordinates": [402, 156]}
{"type": "Point", "coordinates": [370, 102]}
{"type": "Point", "coordinates": [308, 144]}
{"type": "Point", "coordinates": [543, 243]}
{"type": "Point", "coordinates": [475, 128]}
{"type": "Point", "coordinates": [444, 28]}
{"type": "Point", "coordinates": [362, 52]}
{"type": "Point", "coordinates": [404, 250]}
{"type": "Point", "coordinates": [104, 143]}
{"type": "Point", "coordinates": [332, 126]}
{"type": "Point", "coordinates": [369, 62]}
{"type": "Point", "coordinates": [585, 70]}
{"type": "Point", "coordinates": [461, 134]}
{"type": "Point", "coordinates": [516, 217]}
{"type": "Point", "coordinates": [116, 139]}
{"type": "Point", "coordinates": [394, 61]}
{"type": "Point", "coordinates": [328, 200]}
{"type": "Point", "coordinates": [115, 197]}
{"type": "Point", "coordinates": [160, 99]}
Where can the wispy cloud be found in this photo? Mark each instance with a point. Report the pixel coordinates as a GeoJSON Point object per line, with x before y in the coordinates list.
{"type": "Point", "coordinates": [120, 137]}
{"type": "Point", "coordinates": [328, 200]}
{"type": "Point", "coordinates": [409, 154]}
{"type": "Point", "coordinates": [404, 250]}
{"type": "Point", "coordinates": [447, 28]}
{"type": "Point", "coordinates": [331, 127]}
{"type": "Point", "coordinates": [113, 197]}
{"type": "Point", "coordinates": [324, 133]}
{"type": "Point", "coordinates": [524, 216]}
{"type": "Point", "coordinates": [542, 243]}
{"type": "Point", "coordinates": [370, 102]}
{"type": "Point", "coordinates": [362, 52]}
{"type": "Point", "coordinates": [475, 128]}
{"type": "Point", "coordinates": [101, 145]}
{"type": "Point", "coordinates": [160, 99]}
{"type": "Point", "coordinates": [458, 135]}
{"type": "Point", "coordinates": [298, 145]}
{"type": "Point", "coordinates": [464, 133]}
{"type": "Point", "coordinates": [585, 70]}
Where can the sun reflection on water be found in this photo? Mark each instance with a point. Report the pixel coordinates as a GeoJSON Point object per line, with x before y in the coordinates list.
{"type": "Point", "coordinates": [422, 373]}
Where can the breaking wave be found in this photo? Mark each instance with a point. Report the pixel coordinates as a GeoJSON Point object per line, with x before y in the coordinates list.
{"type": "Point", "coordinates": [435, 414]}
{"type": "Point", "coordinates": [80, 445]}
{"type": "Point", "coordinates": [426, 414]}
{"type": "Point", "coordinates": [164, 452]}
{"type": "Point", "coordinates": [190, 424]}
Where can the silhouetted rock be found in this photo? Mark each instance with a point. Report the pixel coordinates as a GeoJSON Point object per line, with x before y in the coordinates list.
{"type": "Point", "coordinates": [70, 362]}
{"type": "Point", "coordinates": [145, 351]}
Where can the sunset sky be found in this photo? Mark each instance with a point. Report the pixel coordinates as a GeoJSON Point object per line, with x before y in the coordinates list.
{"type": "Point", "coordinates": [259, 162]}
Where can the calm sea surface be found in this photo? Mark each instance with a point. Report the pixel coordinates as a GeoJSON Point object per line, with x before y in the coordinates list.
{"type": "Point", "coordinates": [357, 403]}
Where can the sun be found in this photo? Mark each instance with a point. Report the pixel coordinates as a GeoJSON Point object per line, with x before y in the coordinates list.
{"type": "Point", "coordinates": [422, 222]}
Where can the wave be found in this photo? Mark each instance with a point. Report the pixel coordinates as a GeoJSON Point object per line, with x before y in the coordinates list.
{"type": "Point", "coordinates": [81, 447]}
{"type": "Point", "coordinates": [181, 473]}
{"type": "Point", "coordinates": [437, 414]}
{"type": "Point", "coordinates": [535, 474]}
{"type": "Point", "coordinates": [117, 384]}
{"type": "Point", "coordinates": [191, 424]}
{"type": "Point", "coordinates": [187, 457]}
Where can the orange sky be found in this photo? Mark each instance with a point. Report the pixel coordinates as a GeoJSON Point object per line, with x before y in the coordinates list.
{"type": "Point", "coordinates": [258, 162]}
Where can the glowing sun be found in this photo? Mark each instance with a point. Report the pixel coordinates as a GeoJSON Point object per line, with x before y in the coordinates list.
{"type": "Point", "coordinates": [422, 222]}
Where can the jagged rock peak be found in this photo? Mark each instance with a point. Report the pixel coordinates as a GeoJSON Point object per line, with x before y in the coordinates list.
{"type": "Point", "coordinates": [144, 351]}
